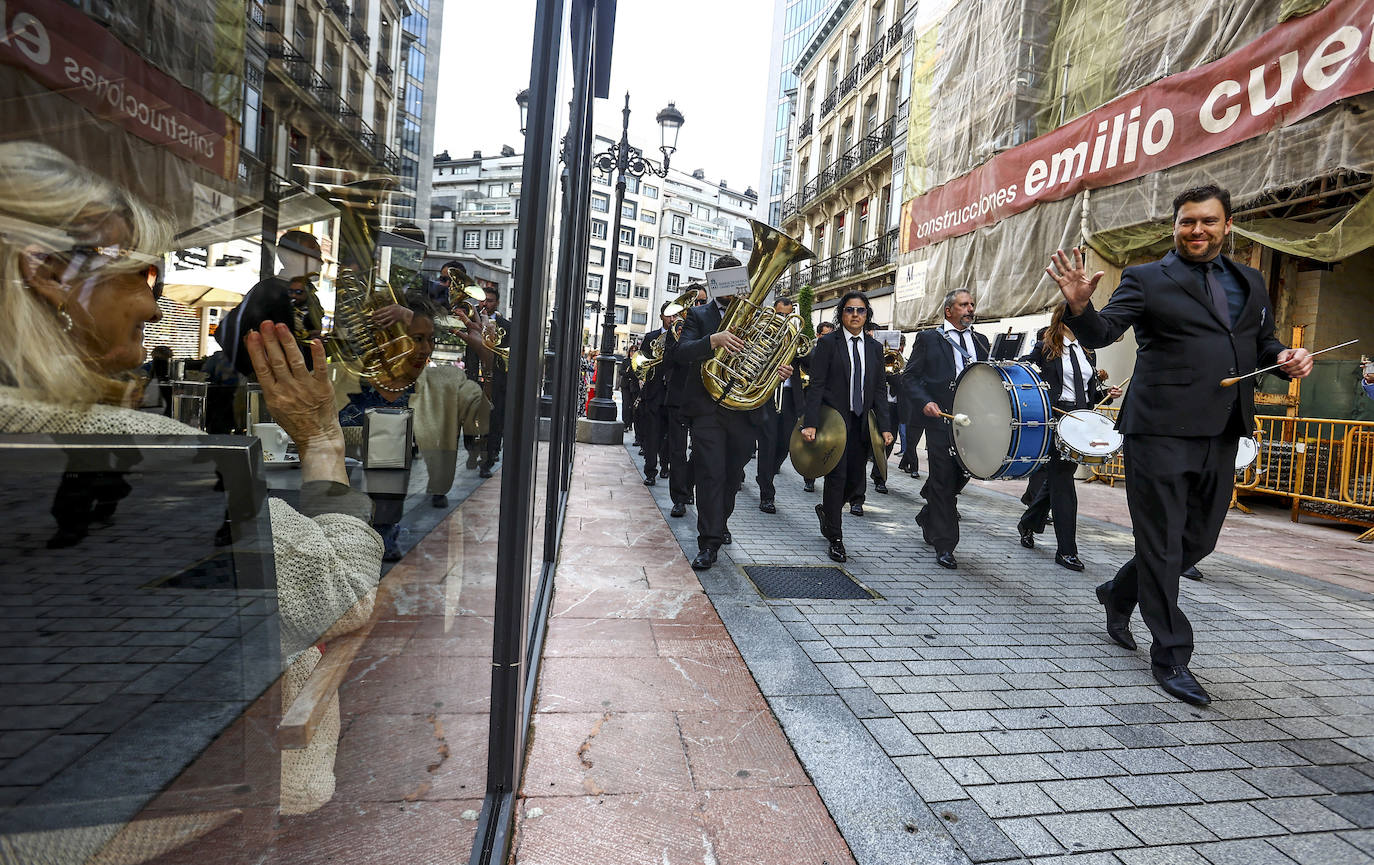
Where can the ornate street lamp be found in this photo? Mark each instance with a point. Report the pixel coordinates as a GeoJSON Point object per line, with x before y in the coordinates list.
{"type": "Point", "coordinates": [523, 100]}
{"type": "Point", "coordinates": [624, 158]}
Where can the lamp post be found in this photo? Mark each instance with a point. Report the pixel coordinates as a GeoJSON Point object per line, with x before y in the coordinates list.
{"type": "Point", "coordinates": [623, 158]}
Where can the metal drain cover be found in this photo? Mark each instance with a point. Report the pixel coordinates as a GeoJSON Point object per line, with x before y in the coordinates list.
{"type": "Point", "coordinates": [808, 581]}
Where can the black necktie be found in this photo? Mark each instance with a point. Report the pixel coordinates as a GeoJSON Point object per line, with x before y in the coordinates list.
{"type": "Point", "coordinates": [963, 343]}
{"type": "Point", "coordinates": [856, 381]}
{"type": "Point", "coordinates": [1080, 395]}
{"type": "Point", "coordinates": [1218, 293]}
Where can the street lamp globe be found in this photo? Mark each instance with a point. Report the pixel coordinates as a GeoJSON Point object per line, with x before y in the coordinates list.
{"type": "Point", "coordinates": [670, 121]}
{"type": "Point", "coordinates": [523, 100]}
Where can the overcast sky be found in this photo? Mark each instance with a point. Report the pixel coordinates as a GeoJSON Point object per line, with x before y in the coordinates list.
{"type": "Point", "coordinates": [708, 56]}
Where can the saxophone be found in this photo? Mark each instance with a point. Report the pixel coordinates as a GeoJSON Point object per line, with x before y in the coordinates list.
{"type": "Point", "coordinates": [746, 380]}
{"type": "Point", "coordinates": [362, 348]}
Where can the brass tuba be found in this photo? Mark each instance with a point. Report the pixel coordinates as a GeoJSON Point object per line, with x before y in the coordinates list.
{"type": "Point", "coordinates": [378, 354]}
{"type": "Point", "coordinates": [746, 380]}
{"type": "Point", "coordinates": [643, 365]}
{"type": "Point", "coordinates": [893, 362]}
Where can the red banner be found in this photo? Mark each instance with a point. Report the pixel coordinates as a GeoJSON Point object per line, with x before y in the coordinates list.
{"type": "Point", "coordinates": [1291, 72]}
{"type": "Point", "coordinates": [67, 52]}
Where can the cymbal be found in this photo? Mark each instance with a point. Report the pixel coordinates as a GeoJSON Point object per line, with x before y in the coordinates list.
{"type": "Point", "coordinates": [816, 459]}
{"type": "Point", "coordinates": [875, 442]}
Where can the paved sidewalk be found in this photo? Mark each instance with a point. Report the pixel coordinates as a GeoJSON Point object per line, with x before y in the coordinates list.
{"type": "Point", "coordinates": [651, 743]}
{"type": "Point", "coordinates": [981, 714]}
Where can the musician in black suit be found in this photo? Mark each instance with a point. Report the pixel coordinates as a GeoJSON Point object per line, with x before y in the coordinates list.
{"type": "Point", "coordinates": [653, 395]}
{"type": "Point", "coordinates": [494, 380]}
{"type": "Point", "coordinates": [723, 439]}
{"type": "Point", "coordinates": [779, 416]}
{"type": "Point", "coordinates": [804, 364]}
{"type": "Point", "coordinates": [1069, 372]}
{"type": "Point", "coordinates": [1198, 318]}
{"type": "Point", "coordinates": [937, 357]}
{"type": "Point", "coordinates": [847, 375]}
{"type": "Point", "coordinates": [680, 474]}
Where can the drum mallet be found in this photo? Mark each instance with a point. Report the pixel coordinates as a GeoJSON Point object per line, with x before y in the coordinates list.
{"type": "Point", "coordinates": [1227, 382]}
{"type": "Point", "coordinates": [960, 419]}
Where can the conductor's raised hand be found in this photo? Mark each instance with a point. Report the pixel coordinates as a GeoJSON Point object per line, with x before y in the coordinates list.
{"type": "Point", "coordinates": [1296, 362]}
{"type": "Point", "coordinates": [1071, 275]}
{"type": "Point", "coordinates": [300, 400]}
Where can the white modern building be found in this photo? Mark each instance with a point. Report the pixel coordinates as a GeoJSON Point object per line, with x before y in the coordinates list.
{"type": "Point", "coordinates": [474, 207]}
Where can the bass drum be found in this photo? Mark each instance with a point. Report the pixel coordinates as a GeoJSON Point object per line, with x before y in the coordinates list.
{"type": "Point", "coordinates": [1009, 430]}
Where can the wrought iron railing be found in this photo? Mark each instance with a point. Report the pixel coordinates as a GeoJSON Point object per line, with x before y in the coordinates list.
{"type": "Point", "coordinates": [806, 127]}
{"type": "Point", "coordinates": [850, 80]}
{"type": "Point", "coordinates": [357, 31]}
{"type": "Point", "coordinates": [340, 9]}
{"type": "Point", "coordinates": [871, 145]}
{"type": "Point", "coordinates": [830, 101]}
{"type": "Point", "coordinates": [894, 35]}
{"type": "Point", "coordinates": [256, 15]}
{"type": "Point", "coordinates": [874, 55]}
{"type": "Point", "coordinates": [383, 68]}
{"type": "Point", "coordinates": [876, 254]}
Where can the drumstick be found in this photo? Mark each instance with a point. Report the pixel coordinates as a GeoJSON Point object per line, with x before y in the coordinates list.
{"type": "Point", "coordinates": [1227, 382]}
{"type": "Point", "coordinates": [960, 419]}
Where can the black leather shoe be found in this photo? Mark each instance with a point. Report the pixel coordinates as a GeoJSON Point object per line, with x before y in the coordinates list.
{"type": "Point", "coordinates": [728, 538]}
{"type": "Point", "coordinates": [1179, 682]}
{"type": "Point", "coordinates": [880, 487]}
{"type": "Point", "coordinates": [947, 560]}
{"type": "Point", "coordinates": [836, 551]}
{"type": "Point", "coordinates": [768, 507]}
{"type": "Point", "coordinates": [1118, 624]}
{"type": "Point", "coordinates": [810, 486]}
{"type": "Point", "coordinates": [439, 500]}
{"type": "Point", "coordinates": [1027, 537]}
{"type": "Point", "coordinates": [484, 472]}
{"type": "Point", "coordinates": [679, 510]}
{"type": "Point", "coordinates": [856, 510]}
{"type": "Point", "coordinates": [650, 481]}
{"type": "Point", "coordinates": [663, 473]}
{"type": "Point", "coordinates": [704, 560]}
{"type": "Point", "coordinates": [916, 475]}
{"type": "Point", "coordinates": [1073, 563]}
{"type": "Point", "coordinates": [1192, 574]}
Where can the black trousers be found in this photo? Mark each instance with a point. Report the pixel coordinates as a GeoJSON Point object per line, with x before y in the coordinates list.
{"type": "Point", "coordinates": [498, 423]}
{"type": "Point", "coordinates": [650, 422]}
{"type": "Point", "coordinates": [679, 467]}
{"type": "Point", "coordinates": [773, 441]}
{"type": "Point", "coordinates": [944, 481]}
{"type": "Point", "coordinates": [892, 425]}
{"type": "Point", "coordinates": [845, 481]}
{"type": "Point", "coordinates": [1177, 490]}
{"type": "Point", "coordinates": [1057, 495]}
{"type": "Point", "coordinates": [722, 444]}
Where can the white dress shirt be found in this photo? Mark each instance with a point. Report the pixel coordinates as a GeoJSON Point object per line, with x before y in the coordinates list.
{"type": "Point", "coordinates": [863, 363]}
{"type": "Point", "coordinates": [1066, 368]}
{"type": "Point", "coordinates": [951, 333]}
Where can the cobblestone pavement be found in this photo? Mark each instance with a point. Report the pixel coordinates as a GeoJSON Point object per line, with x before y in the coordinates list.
{"type": "Point", "coordinates": [985, 706]}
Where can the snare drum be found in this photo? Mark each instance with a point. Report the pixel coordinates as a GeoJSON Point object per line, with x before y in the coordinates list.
{"type": "Point", "coordinates": [1087, 438]}
{"type": "Point", "coordinates": [1247, 451]}
{"type": "Point", "coordinates": [1009, 428]}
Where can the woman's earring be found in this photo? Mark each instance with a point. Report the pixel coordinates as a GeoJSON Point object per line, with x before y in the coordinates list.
{"type": "Point", "coordinates": [65, 318]}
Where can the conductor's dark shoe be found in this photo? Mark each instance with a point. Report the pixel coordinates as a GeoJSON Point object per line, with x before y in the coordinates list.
{"type": "Point", "coordinates": [484, 472]}
{"type": "Point", "coordinates": [650, 480]}
{"type": "Point", "coordinates": [836, 551]}
{"type": "Point", "coordinates": [1179, 682]}
{"type": "Point", "coordinates": [768, 507]}
{"type": "Point", "coordinates": [439, 500]}
{"type": "Point", "coordinates": [1027, 537]}
{"type": "Point", "coordinates": [856, 509]}
{"type": "Point", "coordinates": [1192, 574]}
{"type": "Point", "coordinates": [663, 473]}
{"type": "Point", "coordinates": [880, 487]}
{"type": "Point", "coordinates": [727, 538]}
{"type": "Point", "coordinates": [1118, 624]}
{"type": "Point", "coordinates": [1073, 563]}
{"type": "Point", "coordinates": [810, 487]}
{"type": "Point", "coordinates": [947, 560]}
{"type": "Point", "coordinates": [704, 560]}
{"type": "Point", "coordinates": [679, 510]}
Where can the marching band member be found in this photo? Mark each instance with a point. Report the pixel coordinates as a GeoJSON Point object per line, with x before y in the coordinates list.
{"type": "Point", "coordinates": [847, 375]}
{"type": "Point", "coordinates": [652, 415]}
{"type": "Point", "coordinates": [777, 427]}
{"type": "Point", "coordinates": [804, 363]}
{"type": "Point", "coordinates": [680, 473]}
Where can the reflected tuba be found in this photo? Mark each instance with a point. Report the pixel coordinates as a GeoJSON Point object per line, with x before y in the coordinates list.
{"type": "Point", "coordinates": [746, 380]}
{"type": "Point", "coordinates": [378, 354]}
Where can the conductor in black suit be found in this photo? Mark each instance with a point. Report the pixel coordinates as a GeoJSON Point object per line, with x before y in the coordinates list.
{"type": "Point", "coordinates": [1198, 318]}
{"type": "Point", "coordinates": [847, 375]}
{"type": "Point", "coordinates": [1069, 371]}
{"type": "Point", "coordinates": [937, 358]}
{"type": "Point", "coordinates": [723, 439]}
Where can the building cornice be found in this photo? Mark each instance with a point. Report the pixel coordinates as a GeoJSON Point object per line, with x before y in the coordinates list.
{"type": "Point", "coordinates": [822, 36]}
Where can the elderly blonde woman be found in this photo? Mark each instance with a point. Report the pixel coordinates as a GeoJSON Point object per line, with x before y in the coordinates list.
{"type": "Point", "coordinates": [79, 279]}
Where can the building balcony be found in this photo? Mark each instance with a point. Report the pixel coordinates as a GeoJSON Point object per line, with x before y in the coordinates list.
{"type": "Point", "coordinates": [340, 10]}
{"type": "Point", "coordinates": [807, 127]}
{"type": "Point", "coordinates": [830, 101]}
{"type": "Point", "coordinates": [872, 145]}
{"type": "Point", "coordinates": [257, 17]}
{"type": "Point", "coordinates": [357, 31]}
{"type": "Point", "coordinates": [384, 69]}
{"type": "Point", "coordinates": [852, 265]}
{"type": "Point", "coordinates": [850, 81]}
{"type": "Point", "coordinates": [874, 57]}
{"type": "Point", "coordinates": [894, 35]}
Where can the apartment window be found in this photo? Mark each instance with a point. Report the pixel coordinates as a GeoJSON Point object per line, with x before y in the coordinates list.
{"type": "Point", "coordinates": [644, 266]}
{"type": "Point", "coordinates": [649, 216]}
{"type": "Point", "coordinates": [622, 314]}
{"type": "Point", "coordinates": [472, 239]}
{"type": "Point", "coordinates": [601, 203]}
{"type": "Point", "coordinates": [603, 179]}
{"type": "Point", "coordinates": [627, 235]}
{"type": "Point", "coordinates": [639, 317]}
{"type": "Point", "coordinates": [679, 225]}
{"type": "Point", "coordinates": [837, 245]}
{"type": "Point", "coordinates": [646, 241]}
{"type": "Point", "coordinates": [495, 238]}
{"type": "Point", "coordinates": [599, 229]}
{"type": "Point", "coordinates": [632, 184]}
{"type": "Point", "coordinates": [641, 291]}
{"type": "Point", "coordinates": [625, 262]}
{"type": "Point", "coordinates": [629, 210]}
{"type": "Point", "coordinates": [462, 169]}
{"type": "Point", "coordinates": [714, 259]}
{"type": "Point", "coordinates": [775, 213]}
{"type": "Point", "coordinates": [861, 222]}
{"type": "Point", "coordinates": [675, 253]}
{"type": "Point", "coordinates": [697, 259]}
{"type": "Point", "coordinates": [703, 212]}
{"type": "Point", "coordinates": [673, 280]}
{"type": "Point", "coordinates": [649, 191]}
{"type": "Point", "coordinates": [596, 255]}
{"type": "Point", "coordinates": [495, 190]}
{"type": "Point", "coordinates": [594, 283]}
{"type": "Point", "coordinates": [622, 288]}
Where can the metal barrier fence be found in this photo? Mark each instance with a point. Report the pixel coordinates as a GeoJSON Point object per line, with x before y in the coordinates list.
{"type": "Point", "coordinates": [1325, 466]}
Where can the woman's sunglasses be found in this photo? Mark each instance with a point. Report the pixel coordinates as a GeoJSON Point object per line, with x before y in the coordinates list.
{"type": "Point", "coordinates": [85, 262]}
